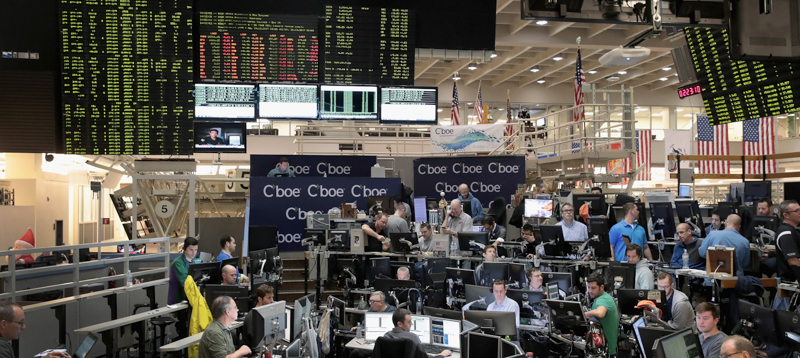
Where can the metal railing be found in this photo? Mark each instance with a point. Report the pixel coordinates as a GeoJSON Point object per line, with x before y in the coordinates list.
{"type": "Point", "coordinates": [364, 139]}
{"type": "Point", "coordinates": [10, 276]}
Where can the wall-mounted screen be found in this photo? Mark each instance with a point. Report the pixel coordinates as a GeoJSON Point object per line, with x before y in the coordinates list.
{"type": "Point", "coordinates": [224, 101]}
{"type": "Point", "coordinates": [216, 137]}
{"type": "Point", "coordinates": [287, 101]}
{"type": "Point", "coordinates": [411, 105]}
{"type": "Point", "coordinates": [348, 102]}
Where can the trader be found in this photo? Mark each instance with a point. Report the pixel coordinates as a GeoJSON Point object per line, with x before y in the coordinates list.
{"type": "Point", "coordinates": [715, 223]}
{"type": "Point", "coordinates": [769, 261]}
{"type": "Point", "coordinates": [737, 347]}
{"type": "Point", "coordinates": [597, 190]}
{"type": "Point", "coordinates": [426, 238]}
{"type": "Point", "coordinates": [536, 282]}
{"type": "Point", "coordinates": [644, 276]}
{"type": "Point", "coordinates": [228, 245]}
{"type": "Point", "coordinates": [265, 295]}
{"type": "Point", "coordinates": [282, 170]}
{"type": "Point", "coordinates": [489, 255]}
{"type": "Point", "coordinates": [628, 227]}
{"type": "Point", "coordinates": [403, 273]}
{"type": "Point", "coordinates": [179, 270]}
{"type": "Point", "coordinates": [402, 327]}
{"type": "Point", "coordinates": [711, 338]}
{"type": "Point", "coordinates": [530, 242]}
{"type": "Point", "coordinates": [212, 139]}
{"type": "Point", "coordinates": [604, 309]}
{"type": "Point", "coordinates": [397, 223]}
{"type": "Point", "coordinates": [12, 323]}
{"type": "Point", "coordinates": [229, 274]}
{"type": "Point", "coordinates": [573, 230]}
{"type": "Point", "coordinates": [497, 233]}
{"type": "Point", "coordinates": [501, 304]}
{"type": "Point", "coordinates": [730, 237]}
{"type": "Point", "coordinates": [477, 209]}
{"type": "Point", "coordinates": [457, 221]}
{"type": "Point", "coordinates": [376, 232]}
{"type": "Point", "coordinates": [679, 311]}
{"type": "Point", "coordinates": [788, 247]}
{"type": "Point", "coordinates": [217, 341]}
{"type": "Point", "coordinates": [687, 243]}
{"type": "Point", "coordinates": [377, 303]}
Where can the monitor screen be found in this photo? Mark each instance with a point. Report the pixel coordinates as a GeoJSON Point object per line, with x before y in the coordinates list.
{"type": "Point", "coordinates": [377, 324]}
{"type": "Point", "coordinates": [287, 101]}
{"type": "Point", "coordinates": [445, 333]}
{"type": "Point", "coordinates": [421, 326]}
{"type": "Point", "coordinates": [538, 208]}
{"type": "Point", "coordinates": [685, 191]}
{"type": "Point", "coordinates": [216, 137]}
{"type": "Point", "coordinates": [348, 102]}
{"type": "Point", "coordinates": [420, 210]}
{"type": "Point", "coordinates": [410, 105]}
{"type": "Point", "coordinates": [681, 344]}
{"type": "Point", "coordinates": [224, 101]}
{"type": "Point", "coordinates": [483, 345]}
{"type": "Point", "coordinates": [754, 190]}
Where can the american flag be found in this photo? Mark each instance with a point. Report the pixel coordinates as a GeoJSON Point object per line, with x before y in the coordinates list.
{"type": "Point", "coordinates": [455, 112]}
{"type": "Point", "coordinates": [509, 120]}
{"type": "Point", "coordinates": [580, 79]}
{"type": "Point", "coordinates": [759, 139]}
{"type": "Point", "coordinates": [712, 142]}
{"type": "Point", "coordinates": [642, 147]}
{"type": "Point", "coordinates": [479, 106]}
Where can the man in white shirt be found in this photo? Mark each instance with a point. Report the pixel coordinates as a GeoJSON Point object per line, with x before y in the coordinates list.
{"type": "Point", "coordinates": [501, 303]}
{"type": "Point", "coordinates": [426, 238]}
{"type": "Point", "coordinates": [574, 231]}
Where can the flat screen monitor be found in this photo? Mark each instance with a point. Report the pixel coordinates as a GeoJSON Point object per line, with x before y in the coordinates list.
{"type": "Point", "coordinates": [493, 271]}
{"type": "Point", "coordinates": [554, 243]}
{"type": "Point", "coordinates": [538, 208]}
{"type": "Point", "coordinates": [683, 343]}
{"type": "Point", "coordinates": [483, 345]}
{"type": "Point", "coordinates": [380, 203]}
{"type": "Point", "coordinates": [238, 293]}
{"type": "Point", "coordinates": [565, 316]}
{"type": "Point", "coordinates": [207, 273]}
{"type": "Point", "coordinates": [736, 193]}
{"type": "Point", "coordinates": [401, 242]}
{"type": "Point", "coordinates": [763, 320]}
{"type": "Point", "coordinates": [377, 324]}
{"type": "Point", "coordinates": [379, 268]}
{"type": "Point", "coordinates": [526, 301]}
{"type": "Point", "coordinates": [596, 202]}
{"type": "Point", "coordinates": [233, 261]}
{"type": "Point", "coordinates": [504, 323]}
{"type": "Point", "coordinates": [220, 137]}
{"type": "Point", "coordinates": [622, 271]}
{"type": "Point", "coordinates": [409, 105]}
{"type": "Point", "coordinates": [754, 190]}
{"type": "Point", "coordinates": [262, 237]}
{"type": "Point", "coordinates": [516, 274]}
{"type": "Point", "coordinates": [481, 294]}
{"type": "Point", "coordinates": [443, 313]}
{"type": "Point", "coordinates": [287, 101]}
{"type": "Point", "coordinates": [445, 332]}
{"type": "Point", "coordinates": [261, 323]}
{"type": "Point", "coordinates": [627, 299]}
{"type": "Point", "coordinates": [663, 218]}
{"type": "Point", "coordinates": [602, 244]}
{"type": "Point", "coordinates": [647, 337]}
{"type": "Point", "coordinates": [348, 102]}
{"type": "Point", "coordinates": [259, 262]}
{"type": "Point", "coordinates": [302, 309]}
{"type": "Point", "coordinates": [316, 237]}
{"type": "Point", "coordinates": [339, 312]}
{"type": "Point", "coordinates": [466, 206]}
{"type": "Point", "coordinates": [421, 326]}
{"type": "Point", "coordinates": [765, 222]}
{"type": "Point", "coordinates": [460, 276]}
{"type": "Point", "coordinates": [725, 208]}
{"type": "Point", "coordinates": [684, 191]}
{"type": "Point", "coordinates": [86, 346]}
{"type": "Point", "coordinates": [339, 240]}
{"type": "Point", "coordinates": [132, 249]}
{"type": "Point", "coordinates": [564, 280]}
{"type": "Point", "coordinates": [789, 328]}
{"type": "Point", "coordinates": [349, 272]}
{"type": "Point", "coordinates": [420, 210]}
{"type": "Point", "coordinates": [231, 101]}
{"type": "Point", "coordinates": [467, 240]}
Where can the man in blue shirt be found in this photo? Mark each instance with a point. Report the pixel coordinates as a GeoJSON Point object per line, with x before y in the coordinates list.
{"type": "Point", "coordinates": [687, 242]}
{"type": "Point", "coordinates": [730, 237]}
{"type": "Point", "coordinates": [573, 231]}
{"type": "Point", "coordinates": [715, 223]}
{"type": "Point", "coordinates": [501, 303]}
{"type": "Point", "coordinates": [228, 245]}
{"type": "Point", "coordinates": [282, 170]}
{"type": "Point", "coordinates": [477, 209]}
{"type": "Point", "coordinates": [629, 228]}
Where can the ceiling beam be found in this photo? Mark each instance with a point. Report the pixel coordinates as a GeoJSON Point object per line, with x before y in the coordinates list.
{"type": "Point", "coordinates": [646, 80]}
{"type": "Point", "coordinates": [448, 72]}
{"type": "Point", "coordinates": [649, 68]}
{"type": "Point", "coordinates": [634, 30]}
{"type": "Point", "coordinates": [557, 27]}
{"type": "Point", "coordinates": [569, 59]}
{"type": "Point", "coordinates": [420, 67]}
{"type": "Point", "coordinates": [600, 75]}
{"type": "Point", "coordinates": [671, 82]}
{"type": "Point", "coordinates": [501, 5]}
{"type": "Point", "coordinates": [526, 65]}
{"type": "Point", "coordinates": [517, 25]}
{"type": "Point", "coordinates": [597, 29]}
{"type": "Point", "coordinates": [587, 66]}
{"type": "Point", "coordinates": [496, 62]}
{"type": "Point", "coordinates": [556, 34]}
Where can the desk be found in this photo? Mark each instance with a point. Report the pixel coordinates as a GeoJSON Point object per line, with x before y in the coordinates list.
{"type": "Point", "coordinates": [787, 289]}
{"type": "Point", "coordinates": [107, 328]}
{"type": "Point", "coordinates": [370, 346]}
{"type": "Point", "coordinates": [577, 344]}
{"type": "Point", "coordinates": [187, 342]}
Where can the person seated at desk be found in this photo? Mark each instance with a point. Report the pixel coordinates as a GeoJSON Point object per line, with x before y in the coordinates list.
{"type": "Point", "coordinates": [229, 274]}
{"type": "Point", "coordinates": [769, 262]}
{"type": "Point", "coordinates": [501, 304]}
{"type": "Point", "coordinates": [730, 237]}
{"type": "Point", "coordinates": [644, 276]}
{"type": "Point", "coordinates": [228, 244]}
{"type": "Point", "coordinates": [679, 313]}
{"type": "Point", "coordinates": [715, 223]}
{"type": "Point", "coordinates": [628, 227]}
{"type": "Point", "coordinates": [397, 223]}
{"type": "Point", "coordinates": [403, 274]}
{"type": "Point", "coordinates": [377, 303]}
{"type": "Point", "coordinates": [711, 338]}
{"type": "Point", "coordinates": [457, 221]}
{"type": "Point", "coordinates": [282, 169]}
{"type": "Point", "coordinates": [529, 248]}
{"type": "Point", "coordinates": [603, 309]}
{"type": "Point", "coordinates": [536, 283]}
{"type": "Point", "coordinates": [737, 347]}
{"type": "Point", "coordinates": [687, 243]}
{"type": "Point", "coordinates": [426, 238]}
{"type": "Point", "coordinates": [265, 295]}
{"type": "Point", "coordinates": [376, 233]}
{"type": "Point", "coordinates": [574, 231]}
{"type": "Point", "coordinates": [217, 341]}
{"type": "Point", "coordinates": [12, 323]}
{"type": "Point", "coordinates": [489, 254]}
{"type": "Point", "coordinates": [477, 209]}
{"type": "Point", "coordinates": [497, 233]}
{"type": "Point", "coordinates": [402, 327]}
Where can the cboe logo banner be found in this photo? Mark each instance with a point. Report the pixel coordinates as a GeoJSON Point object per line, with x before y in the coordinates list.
{"type": "Point", "coordinates": [316, 165]}
{"type": "Point", "coordinates": [486, 177]}
{"type": "Point", "coordinates": [479, 138]}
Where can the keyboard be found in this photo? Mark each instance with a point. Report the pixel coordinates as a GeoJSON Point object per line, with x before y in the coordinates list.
{"type": "Point", "coordinates": [430, 349]}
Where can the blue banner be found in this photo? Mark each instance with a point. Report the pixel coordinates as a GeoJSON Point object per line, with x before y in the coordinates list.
{"type": "Point", "coordinates": [487, 177]}
{"type": "Point", "coordinates": [286, 202]}
{"type": "Point", "coordinates": [316, 165]}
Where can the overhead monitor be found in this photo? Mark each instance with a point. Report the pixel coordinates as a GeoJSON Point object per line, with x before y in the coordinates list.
{"type": "Point", "coordinates": [445, 333]}
{"type": "Point", "coordinates": [420, 210]}
{"type": "Point", "coordinates": [220, 137]}
{"type": "Point", "coordinates": [288, 101]}
{"type": "Point", "coordinates": [348, 102]}
{"type": "Point", "coordinates": [684, 191]}
{"type": "Point", "coordinates": [538, 208]}
{"type": "Point", "coordinates": [754, 190]}
{"type": "Point", "coordinates": [224, 101]}
{"type": "Point", "coordinates": [409, 105]}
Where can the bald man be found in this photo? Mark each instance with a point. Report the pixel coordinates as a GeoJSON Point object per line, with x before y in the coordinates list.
{"type": "Point", "coordinates": [730, 237]}
{"type": "Point", "coordinates": [229, 275]}
{"type": "Point", "coordinates": [457, 221]}
{"type": "Point", "coordinates": [687, 243]}
{"type": "Point", "coordinates": [737, 347]}
{"type": "Point", "coordinates": [477, 209]}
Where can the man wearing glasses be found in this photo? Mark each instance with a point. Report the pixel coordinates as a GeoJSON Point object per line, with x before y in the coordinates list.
{"type": "Point", "coordinates": [737, 347]}
{"type": "Point", "coordinates": [12, 323]}
{"type": "Point", "coordinates": [377, 303]}
{"type": "Point", "coordinates": [217, 341]}
{"type": "Point", "coordinates": [574, 231]}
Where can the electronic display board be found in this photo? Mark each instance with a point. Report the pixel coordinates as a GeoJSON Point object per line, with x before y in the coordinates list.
{"type": "Point", "coordinates": [258, 47]}
{"type": "Point", "coordinates": [740, 90]}
{"type": "Point", "coordinates": [348, 102]}
{"type": "Point", "coordinates": [126, 76]}
{"type": "Point", "coordinates": [224, 101]}
{"type": "Point", "coordinates": [411, 105]}
{"type": "Point", "coordinates": [287, 101]}
{"type": "Point", "coordinates": [369, 45]}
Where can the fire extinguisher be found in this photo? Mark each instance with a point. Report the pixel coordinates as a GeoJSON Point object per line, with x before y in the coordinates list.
{"type": "Point", "coordinates": [112, 272]}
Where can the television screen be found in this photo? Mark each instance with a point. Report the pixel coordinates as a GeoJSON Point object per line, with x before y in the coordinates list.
{"type": "Point", "coordinates": [213, 137]}
{"type": "Point", "coordinates": [685, 191]}
{"type": "Point", "coordinates": [348, 102]}
{"type": "Point", "coordinates": [287, 101]}
{"type": "Point", "coordinates": [538, 208]}
{"type": "Point", "coordinates": [225, 101]}
{"type": "Point", "coordinates": [410, 105]}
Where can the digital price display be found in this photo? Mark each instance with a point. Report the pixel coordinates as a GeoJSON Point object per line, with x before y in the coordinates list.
{"type": "Point", "coordinates": [224, 101]}
{"type": "Point", "coordinates": [348, 102]}
{"type": "Point", "coordinates": [287, 101]}
{"type": "Point", "coordinates": [692, 90]}
{"type": "Point", "coordinates": [412, 105]}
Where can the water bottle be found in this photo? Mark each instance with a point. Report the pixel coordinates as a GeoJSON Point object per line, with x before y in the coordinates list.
{"type": "Point", "coordinates": [359, 332]}
{"type": "Point", "coordinates": [128, 279]}
{"type": "Point", "coordinates": [419, 305]}
{"type": "Point", "coordinates": [685, 259]}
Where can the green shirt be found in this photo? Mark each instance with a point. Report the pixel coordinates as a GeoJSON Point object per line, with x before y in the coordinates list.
{"type": "Point", "coordinates": [6, 351]}
{"type": "Point", "coordinates": [610, 322]}
{"type": "Point", "coordinates": [216, 342]}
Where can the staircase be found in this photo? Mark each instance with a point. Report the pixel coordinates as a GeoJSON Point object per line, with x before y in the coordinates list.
{"type": "Point", "coordinates": [293, 286]}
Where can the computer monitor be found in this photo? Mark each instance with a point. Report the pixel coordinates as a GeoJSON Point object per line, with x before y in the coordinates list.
{"type": "Point", "coordinates": [420, 210]}
{"type": "Point", "coordinates": [647, 337]}
{"type": "Point", "coordinates": [86, 346]}
{"type": "Point", "coordinates": [623, 272]}
{"type": "Point", "coordinates": [302, 309]}
{"type": "Point", "coordinates": [538, 208]}
{"type": "Point", "coordinates": [386, 285]}
{"type": "Point", "coordinates": [442, 313]}
{"type": "Point", "coordinates": [233, 261]}
{"type": "Point", "coordinates": [316, 237]}
{"type": "Point", "coordinates": [504, 323]}
{"type": "Point", "coordinates": [466, 240]}
{"type": "Point", "coordinates": [207, 273]}
{"type": "Point", "coordinates": [222, 133]}
{"type": "Point", "coordinates": [516, 274]}
{"type": "Point", "coordinates": [663, 219]}
{"type": "Point", "coordinates": [683, 343]}
{"type": "Point", "coordinates": [483, 345]}
{"type": "Point", "coordinates": [526, 301]}
{"type": "Point", "coordinates": [288, 331]}
{"type": "Point", "coordinates": [262, 237]}
{"type": "Point", "coordinates": [597, 203]}
{"type": "Point", "coordinates": [554, 243]}
{"type": "Point", "coordinates": [627, 299]}
{"type": "Point", "coordinates": [493, 271]}
{"type": "Point", "coordinates": [763, 320]}
{"type": "Point", "coordinates": [339, 240]}
{"type": "Point", "coordinates": [239, 293]}
{"type": "Point", "coordinates": [350, 273]}
{"type": "Point", "coordinates": [510, 350]}
{"type": "Point", "coordinates": [421, 326]}
{"type": "Point", "coordinates": [466, 206]}
{"type": "Point", "coordinates": [287, 101]}
{"type": "Point", "coordinates": [382, 203]}
{"type": "Point", "coordinates": [789, 328]}
{"type": "Point", "coordinates": [460, 276]}
{"type": "Point", "coordinates": [565, 316]}
{"type": "Point", "coordinates": [684, 191]}
{"type": "Point", "coordinates": [379, 268]}
{"type": "Point", "coordinates": [478, 293]}
{"type": "Point", "coordinates": [267, 324]}
{"type": "Point", "coordinates": [432, 270]}
{"type": "Point", "coordinates": [689, 210]}
{"type": "Point", "coordinates": [601, 243]}
{"type": "Point", "coordinates": [564, 280]}
{"type": "Point", "coordinates": [377, 324]}
{"type": "Point", "coordinates": [400, 242]}
{"type": "Point", "coordinates": [339, 312]}
{"type": "Point", "coordinates": [754, 190]}
{"type": "Point", "coordinates": [293, 350]}
{"type": "Point", "coordinates": [272, 255]}
{"type": "Point", "coordinates": [257, 259]}
{"type": "Point", "coordinates": [445, 332]}
{"type": "Point", "coordinates": [725, 208]}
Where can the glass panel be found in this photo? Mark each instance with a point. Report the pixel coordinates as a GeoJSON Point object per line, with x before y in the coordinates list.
{"type": "Point", "coordinates": [782, 129]}
{"type": "Point", "coordinates": [735, 131]}
{"type": "Point", "coordinates": [642, 116]}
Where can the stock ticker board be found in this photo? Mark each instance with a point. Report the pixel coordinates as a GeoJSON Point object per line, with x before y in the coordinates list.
{"type": "Point", "coordinates": [740, 90]}
{"type": "Point", "coordinates": [258, 47]}
{"type": "Point", "coordinates": [126, 73]}
{"type": "Point", "coordinates": [369, 45]}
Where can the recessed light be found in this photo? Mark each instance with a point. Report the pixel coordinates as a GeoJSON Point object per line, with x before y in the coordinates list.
{"type": "Point", "coordinates": [469, 103]}
{"type": "Point", "coordinates": [663, 79]}
{"type": "Point", "coordinates": [679, 110]}
{"type": "Point", "coordinates": [439, 110]}
{"type": "Point", "coordinates": [622, 72]}
{"type": "Point", "coordinates": [666, 68]}
{"type": "Point", "coordinates": [558, 57]}
{"type": "Point", "coordinates": [535, 69]}
{"type": "Point", "coordinates": [493, 55]}
{"type": "Point", "coordinates": [591, 72]}
{"type": "Point", "coordinates": [540, 81]}
{"type": "Point", "coordinates": [541, 22]}
{"type": "Point", "coordinates": [472, 66]}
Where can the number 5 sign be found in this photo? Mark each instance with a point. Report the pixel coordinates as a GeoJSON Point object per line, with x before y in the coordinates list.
{"type": "Point", "coordinates": [165, 209]}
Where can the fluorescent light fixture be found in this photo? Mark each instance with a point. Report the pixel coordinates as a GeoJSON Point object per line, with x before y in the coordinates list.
{"type": "Point", "coordinates": [687, 115]}
{"type": "Point", "coordinates": [472, 66]}
{"type": "Point", "coordinates": [622, 72]}
{"type": "Point", "coordinates": [663, 79]}
{"type": "Point", "coordinates": [558, 57]}
{"type": "Point", "coordinates": [494, 54]}
{"type": "Point", "coordinates": [679, 110]}
{"type": "Point", "coordinates": [540, 81]}
{"type": "Point", "coordinates": [439, 110]}
{"type": "Point", "coordinates": [591, 72]}
{"type": "Point", "coordinates": [782, 117]}
{"type": "Point", "coordinates": [541, 22]}
{"type": "Point", "coordinates": [666, 68]}
{"type": "Point", "coordinates": [456, 76]}
{"type": "Point", "coordinates": [469, 103]}
{"type": "Point", "coordinates": [535, 68]}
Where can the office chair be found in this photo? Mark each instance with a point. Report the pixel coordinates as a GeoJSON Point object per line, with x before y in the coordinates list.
{"type": "Point", "coordinates": [497, 209]}
{"type": "Point", "coordinates": [396, 348]}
